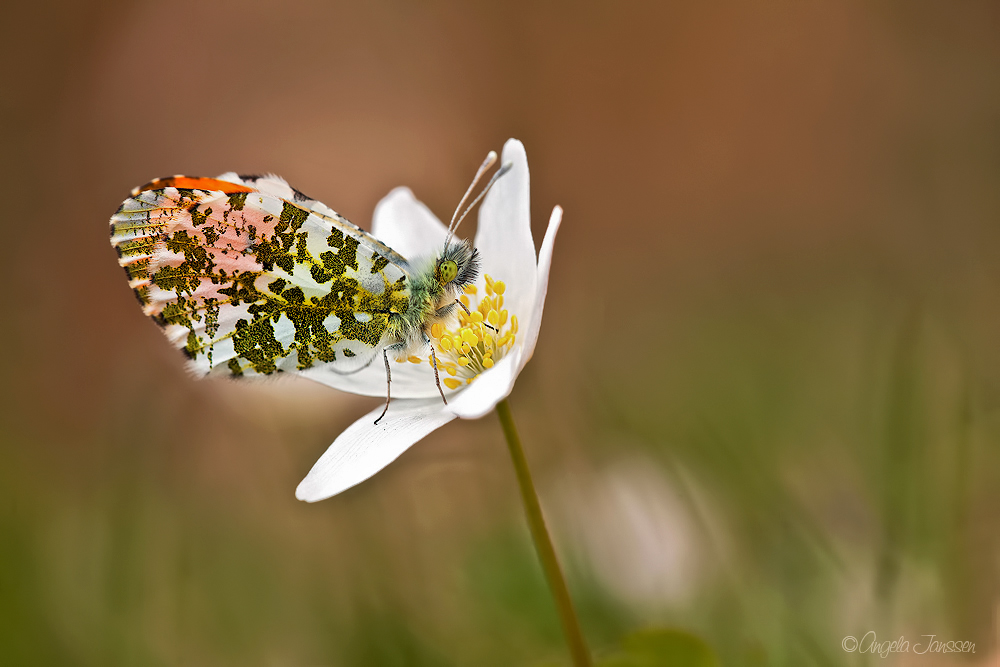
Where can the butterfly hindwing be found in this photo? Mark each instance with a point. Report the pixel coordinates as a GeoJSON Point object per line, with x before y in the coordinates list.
{"type": "Point", "coordinates": [249, 276]}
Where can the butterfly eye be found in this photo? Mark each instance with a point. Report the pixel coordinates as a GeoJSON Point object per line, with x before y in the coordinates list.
{"type": "Point", "coordinates": [447, 270]}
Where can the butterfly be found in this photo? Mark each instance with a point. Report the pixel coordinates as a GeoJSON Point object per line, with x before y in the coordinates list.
{"type": "Point", "coordinates": [248, 276]}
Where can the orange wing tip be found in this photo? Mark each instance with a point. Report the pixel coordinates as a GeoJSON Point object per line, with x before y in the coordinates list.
{"type": "Point", "coordinates": [192, 183]}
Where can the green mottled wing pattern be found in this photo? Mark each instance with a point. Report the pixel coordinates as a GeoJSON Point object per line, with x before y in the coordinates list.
{"type": "Point", "coordinates": [248, 276]}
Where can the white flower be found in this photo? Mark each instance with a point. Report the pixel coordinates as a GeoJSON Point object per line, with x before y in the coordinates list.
{"type": "Point", "coordinates": [633, 527]}
{"type": "Point", "coordinates": [511, 296]}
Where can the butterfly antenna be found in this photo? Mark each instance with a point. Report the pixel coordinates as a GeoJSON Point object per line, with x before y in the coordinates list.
{"type": "Point", "coordinates": [500, 172]}
{"type": "Point", "coordinates": [491, 158]}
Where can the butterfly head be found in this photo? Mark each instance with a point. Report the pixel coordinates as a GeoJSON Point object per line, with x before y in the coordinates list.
{"type": "Point", "coordinates": [457, 266]}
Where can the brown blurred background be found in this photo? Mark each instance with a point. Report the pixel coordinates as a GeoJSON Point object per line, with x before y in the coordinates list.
{"type": "Point", "coordinates": [765, 404]}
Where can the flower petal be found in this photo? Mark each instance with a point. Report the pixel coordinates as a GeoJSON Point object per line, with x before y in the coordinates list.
{"type": "Point", "coordinates": [487, 390]}
{"type": "Point", "coordinates": [407, 226]}
{"type": "Point", "coordinates": [544, 262]}
{"type": "Point", "coordinates": [504, 237]}
{"type": "Point", "coordinates": [408, 380]}
{"type": "Point", "coordinates": [364, 448]}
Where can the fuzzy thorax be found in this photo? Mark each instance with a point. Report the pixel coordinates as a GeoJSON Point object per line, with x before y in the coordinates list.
{"type": "Point", "coordinates": [435, 284]}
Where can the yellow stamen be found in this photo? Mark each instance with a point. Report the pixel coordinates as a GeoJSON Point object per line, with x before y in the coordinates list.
{"type": "Point", "coordinates": [415, 360]}
{"type": "Point", "coordinates": [452, 383]}
{"type": "Point", "coordinates": [479, 338]}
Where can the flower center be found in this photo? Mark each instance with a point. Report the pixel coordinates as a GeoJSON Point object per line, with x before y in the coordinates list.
{"type": "Point", "coordinates": [482, 337]}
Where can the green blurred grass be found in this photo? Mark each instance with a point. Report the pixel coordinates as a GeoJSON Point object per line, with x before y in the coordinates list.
{"type": "Point", "coordinates": [841, 478]}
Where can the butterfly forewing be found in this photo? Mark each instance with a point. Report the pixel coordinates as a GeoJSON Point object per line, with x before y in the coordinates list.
{"type": "Point", "coordinates": [249, 276]}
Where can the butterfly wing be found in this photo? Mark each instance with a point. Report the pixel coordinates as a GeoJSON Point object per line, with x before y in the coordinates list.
{"type": "Point", "coordinates": [248, 276]}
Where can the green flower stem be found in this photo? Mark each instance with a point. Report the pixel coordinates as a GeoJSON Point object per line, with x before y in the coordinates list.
{"type": "Point", "coordinates": [543, 543]}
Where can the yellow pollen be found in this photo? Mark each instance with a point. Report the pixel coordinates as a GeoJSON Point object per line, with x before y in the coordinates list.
{"type": "Point", "coordinates": [415, 360]}
{"type": "Point", "coordinates": [471, 343]}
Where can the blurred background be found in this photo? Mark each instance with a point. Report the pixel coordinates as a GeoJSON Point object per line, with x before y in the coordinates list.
{"type": "Point", "coordinates": [765, 405]}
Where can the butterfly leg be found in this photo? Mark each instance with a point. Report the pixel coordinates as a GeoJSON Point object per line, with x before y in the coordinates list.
{"type": "Point", "coordinates": [437, 377]}
{"type": "Point", "coordinates": [388, 384]}
{"type": "Point", "coordinates": [469, 312]}
{"type": "Point", "coordinates": [463, 307]}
